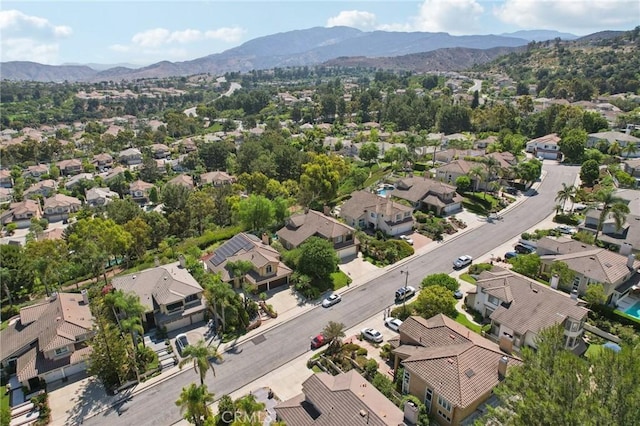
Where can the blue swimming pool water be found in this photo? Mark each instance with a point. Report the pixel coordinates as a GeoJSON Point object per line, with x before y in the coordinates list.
{"type": "Point", "coordinates": [382, 192]}
{"type": "Point", "coordinates": [634, 310]}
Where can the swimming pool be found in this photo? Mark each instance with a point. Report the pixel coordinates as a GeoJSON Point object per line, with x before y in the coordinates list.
{"type": "Point", "coordinates": [634, 310]}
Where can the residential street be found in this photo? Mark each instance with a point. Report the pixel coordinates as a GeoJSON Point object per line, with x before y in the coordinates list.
{"type": "Point", "coordinates": [280, 344]}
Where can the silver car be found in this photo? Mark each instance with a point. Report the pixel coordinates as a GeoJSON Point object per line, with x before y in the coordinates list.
{"type": "Point", "coordinates": [462, 261]}
{"type": "Point", "coordinates": [372, 335]}
{"type": "Point", "coordinates": [393, 323]}
{"type": "Point", "coordinates": [331, 300]}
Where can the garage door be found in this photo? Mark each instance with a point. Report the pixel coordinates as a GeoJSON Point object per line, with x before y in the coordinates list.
{"type": "Point", "coordinates": [75, 369]}
{"type": "Point", "coordinates": [348, 251]}
{"type": "Point", "coordinates": [52, 376]}
{"type": "Point", "coordinates": [197, 317]}
{"type": "Point", "coordinates": [174, 325]}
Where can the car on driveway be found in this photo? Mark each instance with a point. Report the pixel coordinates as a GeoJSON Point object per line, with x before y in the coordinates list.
{"type": "Point", "coordinates": [393, 323]}
{"type": "Point", "coordinates": [524, 249]}
{"type": "Point", "coordinates": [458, 294]}
{"type": "Point", "coordinates": [372, 335]}
{"type": "Point", "coordinates": [564, 229]}
{"type": "Point", "coordinates": [181, 342]}
{"type": "Point", "coordinates": [404, 293]}
{"type": "Point", "coordinates": [407, 238]}
{"type": "Point", "coordinates": [331, 300]}
{"type": "Point", "coordinates": [462, 261]}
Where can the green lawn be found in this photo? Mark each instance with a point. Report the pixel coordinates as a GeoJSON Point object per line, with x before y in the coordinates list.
{"type": "Point", "coordinates": [340, 279]}
{"type": "Point", "coordinates": [468, 278]}
{"type": "Point", "coordinates": [462, 319]}
{"type": "Point", "coordinates": [593, 350]}
{"type": "Point", "coordinates": [479, 203]}
{"type": "Point", "coordinates": [4, 401]}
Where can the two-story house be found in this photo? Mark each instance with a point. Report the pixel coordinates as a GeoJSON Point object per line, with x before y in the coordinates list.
{"type": "Point", "coordinates": [160, 151]}
{"type": "Point", "coordinates": [60, 206]}
{"type": "Point", "coordinates": [621, 138]}
{"type": "Point", "coordinates": [44, 188]}
{"type": "Point", "coordinates": [450, 172]}
{"type": "Point", "coordinates": [545, 146]}
{"type": "Point", "coordinates": [216, 178]}
{"type": "Point", "coordinates": [267, 270]}
{"type": "Point", "coordinates": [366, 210]}
{"type": "Point", "coordinates": [519, 308]}
{"type": "Point", "coordinates": [21, 213]}
{"type": "Point", "coordinates": [103, 161]}
{"type": "Point", "coordinates": [301, 226]}
{"type": "Point", "coordinates": [451, 369]}
{"type": "Point", "coordinates": [130, 157]}
{"type": "Point", "coordinates": [139, 191]}
{"type": "Point", "coordinates": [428, 194]}
{"type": "Point", "coordinates": [97, 197]}
{"type": "Point", "coordinates": [182, 180]}
{"type": "Point", "coordinates": [171, 296]}
{"type": "Point", "coordinates": [36, 171]}
{"type": "Point", "coordinates": [76, 180]}
{"type": "Point", "coordinates": [70, 167]}
{"type": "Point", "coordinates": [48, 340]}
{"type": "Point", "coordinates": [6, 180]}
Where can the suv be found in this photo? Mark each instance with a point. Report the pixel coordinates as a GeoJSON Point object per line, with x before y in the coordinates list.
{"type": "Point", "coordinates": [405, 292]}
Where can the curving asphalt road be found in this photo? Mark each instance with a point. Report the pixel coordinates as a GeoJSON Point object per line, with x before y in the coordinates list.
{"type": "Point", "coordinates": [281, 344]}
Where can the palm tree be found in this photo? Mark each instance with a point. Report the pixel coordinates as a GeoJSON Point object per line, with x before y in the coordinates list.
{"type": "Point", "coordinates": [610, 205]}
{"type": "Point", "coordinates": [334, 332]}
{"type": "Point", "coordinates": [128, 304]}
{"type": "Point", "coordinates": [435, 143]}
{"type": "Point", "coordinates": [477, 174]}
{"type": "Point", "coordinates": [249, 406]}
{"type": "Point", "coordinates": [200, 355]}
{"type": "Point", "coordinates": [218, 294]}
{"type": "Point", "coordinates": [614, 149]}
{"type": "Point", "coordinates": [194, 403]}
{"type": "Point", "coordinates": [629, 149]}
{"type": "Point", "coordinates": [568, 192]}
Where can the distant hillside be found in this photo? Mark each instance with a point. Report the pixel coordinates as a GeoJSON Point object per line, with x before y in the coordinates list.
{"type": "Point", "coordinates": [540, 35]}
{"type": "Point", "coordinates": [450, 59]}
{"type": "Point", "coordinates": [23, 70]}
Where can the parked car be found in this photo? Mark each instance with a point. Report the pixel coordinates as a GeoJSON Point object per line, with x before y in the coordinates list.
{"type": "Point", "coordinates": [372, 335]}
{"type": "Point", "coordinates": [511, 190]}
{"type": "Point", "coordinates": [405, 292]}
{"type": "Point", "coordinates": [510, 255]}
{"type": "Point", "coordinates": [331, 300]}
{"type": "Point", "coordinates": [462, 261]}
{"type": "Point", "coordinates": [564, 229]}
{"type": "Point", "coordinates": [393, 323]}
{"type": "Point", "coordinates": [318, 341]}
{"type": "Point", "coordinates": [458, 294]}
{"type": "Point", "coordinates": [181, 342]}
{"type": "Point", "coordinates": [524, 249]}
{"type": "Point", "coordinates": [407, 239]}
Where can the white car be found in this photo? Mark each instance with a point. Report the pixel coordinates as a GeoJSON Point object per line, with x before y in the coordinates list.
{"type": "Point", "coordinates": [564, 229]}
{"type": "Point", "coordinates": [462, 261]}
{"type": "Point", "coordinates": [181, 342]}
{"type": "Point", "coordinates": [372, 335]}
{"type": "Point", "coordinates": [393, 323]}
{"type": "Point", "coordinates": [331, 300]}
{"type": "Point", "coordinates": [407, 239]}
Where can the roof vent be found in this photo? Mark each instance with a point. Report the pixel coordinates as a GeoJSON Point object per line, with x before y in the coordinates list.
{"type": "Point", "coordinates": [364, 413]}
{"type": "Point", "coordinates": [452, 337]}
{"type": "Point", "coordinates": [470, 373]}
{"type": "Point", "coordinates": [134, 277]}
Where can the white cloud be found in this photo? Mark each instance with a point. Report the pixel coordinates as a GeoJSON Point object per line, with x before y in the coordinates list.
{"type": "Point", "coordinates": [353, 18]}
{"type": "Point", "coordinates": [227, 34]}
{"type": "Point", "coordinates": [185, 36]}
{"type": "Point", "coordinates": [151, 38]}
{"type": "Point", "coordinates": [30, 38]}
{"type": "Point", "coordinates": [569, 14]}
{"type": "Point", "coordinates": [452, 16]}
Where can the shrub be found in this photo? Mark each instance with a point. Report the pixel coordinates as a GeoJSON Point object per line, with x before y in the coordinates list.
{"type": "Point", "coordinates": [567, 219]}
{"type": "Point", "coordinates": [8, 311]}
{"type": "Point", "coordinates": [478, 268]}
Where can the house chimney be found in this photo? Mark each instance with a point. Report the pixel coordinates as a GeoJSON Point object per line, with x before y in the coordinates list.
{"type": "Point", "coordinates": [574, 294]}
{"type": "Point", "coordinates": [631, 259]}
{"type": "Point", "coordinates": [502, 367]}
{"type": "Point", "coordinates": [265, 239]}
{"type": "Point", "coordinates": [183, 261]}
{"type": "Point", "coordinates": [626, 249]}
{"type": "Point", "coordinates": [554, 281]}
{"type": "Point", "coordinates": [326, 210]}
{"type": "Point", "coordinates": [411, 413]}
{"type": "Point", "coordinates": [85, 297]}
{"type": "Point", "coordinates": [388, 211]}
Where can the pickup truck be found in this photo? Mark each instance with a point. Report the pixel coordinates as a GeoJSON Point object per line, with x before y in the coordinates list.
{"type": "Point", "coordinates": [318, 341]}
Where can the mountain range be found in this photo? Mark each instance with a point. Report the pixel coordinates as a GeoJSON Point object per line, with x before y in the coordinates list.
{"type": "Point", "coordinates": [299, 48]}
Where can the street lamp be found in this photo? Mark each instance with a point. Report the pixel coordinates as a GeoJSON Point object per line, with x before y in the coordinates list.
{"type": "Point", "coordinates": [404, 298]}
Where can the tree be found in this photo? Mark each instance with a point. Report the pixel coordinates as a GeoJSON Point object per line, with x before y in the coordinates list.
{"type": "Point", "coordinates": [610, 205]}
{"type": "Point", "coordinates": [567, 193]}
{"type": "Point", "coordinates": [369, 152]}
{"type": "Point", "coordinates": [589, 172]}
{"type": "Point", "coordinates": [435, 300]}
{"type": "Point", "coordinates": [629, 149]}
{"type": "Point", "coordinates": [239, 269]}
{"type": "Point", "coordinates": [463, 183]}
{"type": "Point", "coordinates": [256, 213]}
{"type": "Point", "coordinates": [441, 279]}
{"type": "Point", "coordinates": [318, 258]}
{"type": "Point", "coordinates": [201, 207]}
{"type": "Point", "coordinates": [529, 171]}
{"type": "Point", "coordinates": [595, 294]}
{"type": "Point", "coordinates": [526, 264]}
{"type": "Point", "coordinates": [141, 236]}
{"type": "Point", "coordinates": [249, 407]}
{"type": "Point", "coordinates": [226, 411]}
{"type": "Point", "coordinates": [48, 258]}
{"type": "Point", "coordinates": [572, 145]}
{"type": "Point", "coordinates": [194, 403]}
{"type": "Point", "coordinates": [334, 332]}
{"type": "Point", "coordinates": [200, 355]}
{"type": "Point", "coordinates": [565, 275]}
{"type": "Point", "coordinates": [477, 175]}
{"type": "Point", "coordinates": [123, 211]}
{"type": "Point", "coordinates": [320, 178]}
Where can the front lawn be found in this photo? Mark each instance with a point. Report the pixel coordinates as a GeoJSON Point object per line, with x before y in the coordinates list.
{"type": "Point", "coordinates": [340, 279]}
{"type": "Point", "coordinates": [480, 203]}
{"type": "Point", "coordinates": [468, 278]}
{"type": "Point", "coordinates": [462, 319]}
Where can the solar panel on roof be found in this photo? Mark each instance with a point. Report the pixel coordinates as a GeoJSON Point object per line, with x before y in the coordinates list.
{"type": "Point", "coordinates": [231, 247]}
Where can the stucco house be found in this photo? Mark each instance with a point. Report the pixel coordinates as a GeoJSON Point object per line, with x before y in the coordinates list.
{"type": "Point", "coordinates": [70, 167]}
{"type": "Point", "coordinates": [267, 271]}
{"type": "Point", "coordinates": [139, 191]}
{"type": "Point", "coordinates": [611, 137]}
{"type": "Point", "coordinates": [6, 180]}
{"type": "Point", "coordinates": [217, 178]}
{"type": "Point", "coordinates": [345, 399]}
{"type": "Point", "coordinates": [366, 210]}
{"type": "Point", "coordinates": [36, 171]}
{"type": "Point", "coordinates": [96, 197]}
{"type": "Point", "coordinates": [44, 188]}
{"type": "Point", "coordinates": [48, 340]}
{"type": "Point", "coordinates": [21, 213]}
{"type": "Point", "coordinates": [450, 172]}
{"type": "Point", "coordinates": [60, 206]}
{"type": "Point", "coordinates": [182, 180]}
{"type": "Point", "coordinates": [103, 161]}
{"type": "Point", "coordinates": [299, 227]}
{"type": "Point", "coordinates": [130, 157]}
{"type": "Point", "coordinates": [450, 368]}
{"type": "Point", "coordinates": [171, 296]}
{"type": "Point", "coordinates": [519, 308]}
{"type": "Point", "coordinates": [160, 151]}
{"type": "Point", "coordinates": [428, 194]}
{"type": "Point", "coordinates": [545, 146]}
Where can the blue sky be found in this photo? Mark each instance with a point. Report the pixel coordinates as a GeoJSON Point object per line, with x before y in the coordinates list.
{"type": "Point", "coordinates": [143, 32]}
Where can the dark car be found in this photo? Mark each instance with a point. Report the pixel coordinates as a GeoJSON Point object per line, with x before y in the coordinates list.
{"type": "Point", "coordinates": [524, 249]}
{"type": "Point", "coordinates": [510, 255]}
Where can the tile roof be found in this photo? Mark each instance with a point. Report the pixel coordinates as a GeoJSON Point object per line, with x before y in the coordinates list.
{"type": "Point", "coordinates": [527, 305]}
{"type": "Point", "coordinates": [461, 166]}
{"type": "Point", "coordinates": [416, 188]}
{"type": "Point", "coordinates": [364, 201]}
{"type": "Point", "coordinates": [164, 284]}
{"type": "Point", "coordinates": [550, 139]}
{"type": "Point", "coordinates": [599, 264]}
{"type": "Point", "coordinates": [301, 226]}
{"type": "Point", "coordinates": [345, 399]}
{"type": "Point", "coordinates": [216, 176]}
{"type": "Point", "coordinates": [562, 245]}
{"type": "Point", "coordinates": [458, 364]}
{"type": "Point", "coordinates": [184, 180]}
{"type": "Point", "coordinates": [61, 200]}
{"type": "Point", "coordinates": [140, 185]}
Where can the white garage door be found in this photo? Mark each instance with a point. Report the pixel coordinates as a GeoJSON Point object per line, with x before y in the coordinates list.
{"type": "Point", "coordinates": [348, 251]}
{"type": "Point", "coordinates": [75, 369]}
{"type": "Point", "coordinates": [52, 376]}
{"type": "Point", "coordinates": [174, 325]}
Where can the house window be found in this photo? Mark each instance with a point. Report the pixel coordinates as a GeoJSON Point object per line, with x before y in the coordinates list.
{"type": "Point", "coordinates": [174, 307]}
{"type": "Point", "coordinates": [407, 214]}
{"type": "Point", "coordinates": [494, 300]}
{"type": "Point", "coordinates": [338, 239]}
{"type": "Point", "coordinates": [428, 398]}
{"type": "Point", "coordinates": [348, 237]}
{"type": "Point", "coordinates": [398, 217]}
{"type": "Point", "coordinates": [446, 405]}
{"type": "Point", "coordinates": [405, 382]}
{"type": "Point", "coordinates": [61, 351]}
{"type": "Point", "coordinates": [191, 298]}
{"type": "Point", "coordinates": [269, 269]}
{"type": "Point", "coordinates": [576, 284]}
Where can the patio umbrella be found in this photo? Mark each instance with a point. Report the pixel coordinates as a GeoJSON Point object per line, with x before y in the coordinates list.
{"type": "Point", "coordinates": [613, 346]}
